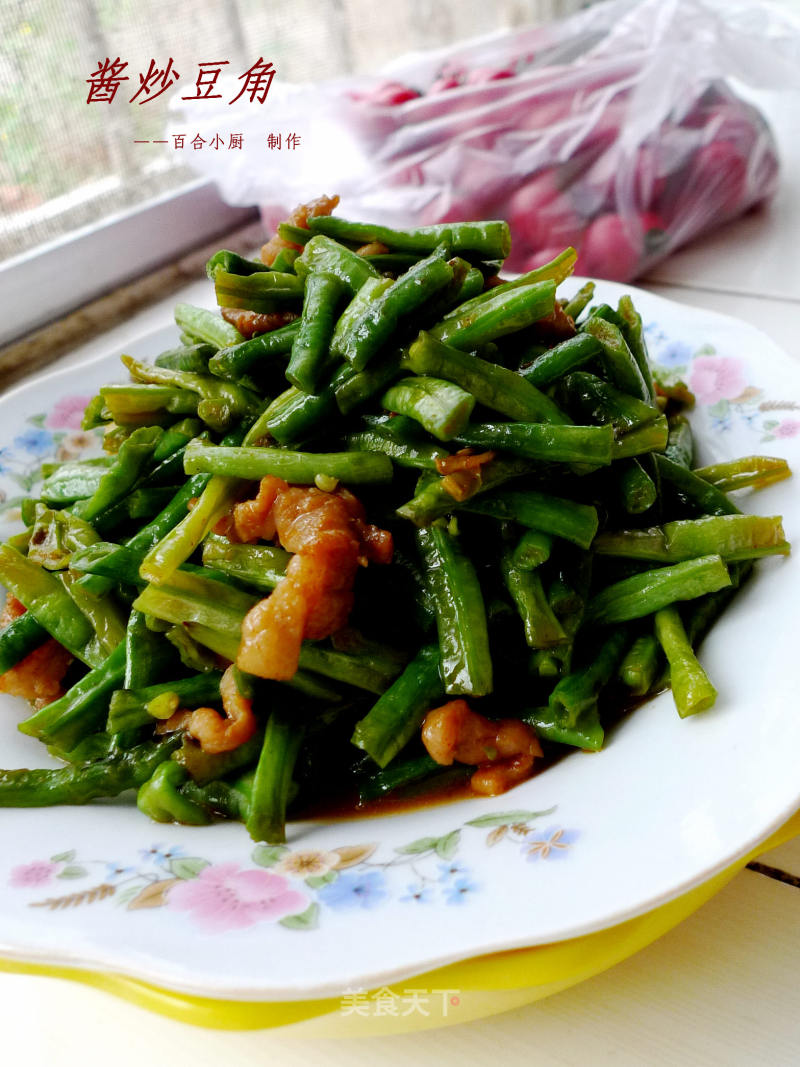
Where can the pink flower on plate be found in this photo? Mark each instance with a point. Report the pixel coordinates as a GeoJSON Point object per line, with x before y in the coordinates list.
{"type": "Point", "coordinates": [224, 897]}
{"type": "Point", "coordinates": [67, 413]}
{"type": "Point", "coordinates": [716, 378]}
{"type": "Point", "coordinates": [30, 875]}
{"type": "Point", "coordinates": [787, 428]}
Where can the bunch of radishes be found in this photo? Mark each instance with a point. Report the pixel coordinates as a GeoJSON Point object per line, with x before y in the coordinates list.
{"type": "Point", "coordinates": [567, 155]}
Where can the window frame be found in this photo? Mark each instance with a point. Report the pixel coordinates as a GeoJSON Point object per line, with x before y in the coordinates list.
{"type": "Point", "coordinates": [60, 276]}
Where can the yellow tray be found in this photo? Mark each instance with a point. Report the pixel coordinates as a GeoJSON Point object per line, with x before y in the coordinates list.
{"type": "Point", "coordinates": [484, 986]}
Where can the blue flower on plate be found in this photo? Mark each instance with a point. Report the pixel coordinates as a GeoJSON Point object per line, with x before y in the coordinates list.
{"type": "Point", "coordinates": [420, 894]}
{"type": "Point", "coordinates": [117, 870]}
{"type": "Point", "coordinates": [655, 333]}
{"type": "Point", "coordinates": [366, 889]}
{"type": "Point", "coordinates": [674, 354]}
{"type": "Point", "coordinates": [5, 456]}
{"type": "Point", "coordinates": [721, 422]}
{"type": "Point", "coordinates": [161, 854]}
{"type": "Point", "coordinates": [451, 870]}
{"type": "Point", "coordinates": [552, 844]}
{"type": "Point", "coordinates": [35, 441]}
{"type": "Point", "coordinates": [458, 890]}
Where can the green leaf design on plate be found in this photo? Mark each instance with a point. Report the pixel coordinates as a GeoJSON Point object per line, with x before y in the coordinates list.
{"type": "Point", "coordinates": [669, 375]}
{"type": "Point", "coordinates": [37, 420]}
{"type": "Point", "coordinates": [268, 855]}
{"type": "Point", "coordinates": [446, 846]}
{"type": "Point", "coordinates": [24, 481]}
{"type": "Point", "coordinates": [187, 866]}
{"type": "Point", "coordinates": [63, 857]}
{"type": "Point", "coordinates": [704, 350]}
{"type": "Point", "coordinates": [422, 844]}
{"type": "Point", "coordinates": [720, 409]}
{"type": "Point", "coordinates": [124, 896]}
{"type": "Point", "coordinates": [317, 881]}
{"type": "Point", "coordinates": [73, 872]}
{"type": "Point", "coordinates": [305, 920]}
{"type": "Point", "coordinates": [499, 818]}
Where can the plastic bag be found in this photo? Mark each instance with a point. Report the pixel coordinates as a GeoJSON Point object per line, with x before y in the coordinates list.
{"type": "Point", "coordinates": [615, 131]}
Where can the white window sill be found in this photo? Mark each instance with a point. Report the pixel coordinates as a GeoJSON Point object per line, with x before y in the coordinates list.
{"type": "Point", "coordinates": [53, 279]}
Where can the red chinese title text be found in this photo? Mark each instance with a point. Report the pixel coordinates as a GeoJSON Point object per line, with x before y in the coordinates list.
{"type": "Point", "coordinates": [109, 76]}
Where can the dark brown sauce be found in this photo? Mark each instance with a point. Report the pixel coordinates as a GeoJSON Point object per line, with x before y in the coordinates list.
{"type": "Point", "coordinates": [425, 795]}
{"type": "Point", "coordinates": [454, 785]}
{"type": "Point", "coordinates": [448, 788]}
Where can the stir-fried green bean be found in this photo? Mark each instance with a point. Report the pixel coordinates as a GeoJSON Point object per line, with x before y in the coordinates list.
{"type": "Point", "coordinates": [408, 493]}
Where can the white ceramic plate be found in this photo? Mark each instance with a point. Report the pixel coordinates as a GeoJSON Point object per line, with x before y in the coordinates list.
{"type": "Point", "coordinates": [360, 903]}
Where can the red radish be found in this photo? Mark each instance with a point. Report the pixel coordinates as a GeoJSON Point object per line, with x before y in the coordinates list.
{"type": "Point", "coordinates": [461, 211]}
{"type": "Point", "coordinates": [649, 180]}
{"type": "Point", "coordinates": [716, 178]}
{"type": "Point", "coordinates": [593, 192]}
{"type": "Point", "coordinates": [413, 174]}
{"type": "Point", "coordinates": [651, 221]}
{"type": "Point", "coordinates": [601, 138]}
{"type": "Point", "coordinates": [656, 236]}
{"type": "Point", "coordinates": [608, 183]}
{"type": "Point", "coordinates": [536, 259]}
{"type": "Point", "coordinates": [561, 153]}
{"type": "Point", "coordinates": [487, 74]}
{"type": "Point", "coordinates": [448, 81]}
{"type": "Point", "coordinates": [616, 247]}
{"type": "Point", "coordinates": [449, 207]}
{"type": "Point", "coordinates": [531, 198]}
{"type": "Point", "coordinates": [390, 94]}
{"type": "Point", "coordinates": [728, 123]}
{"type": "Point", "coordinates": [540, 215]}
{"type": "Point", "coordinates": [610, 249]}
{"type": "Point", "coordinates": [542, 110]}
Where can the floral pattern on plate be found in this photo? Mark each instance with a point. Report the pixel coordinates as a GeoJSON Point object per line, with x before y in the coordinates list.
{"type": "Point", "coordinates": [720, 385]}
{"type": "Point", "coordinates": [290, 886]}
{"type": "Point", "coordinates": [49, 437]}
